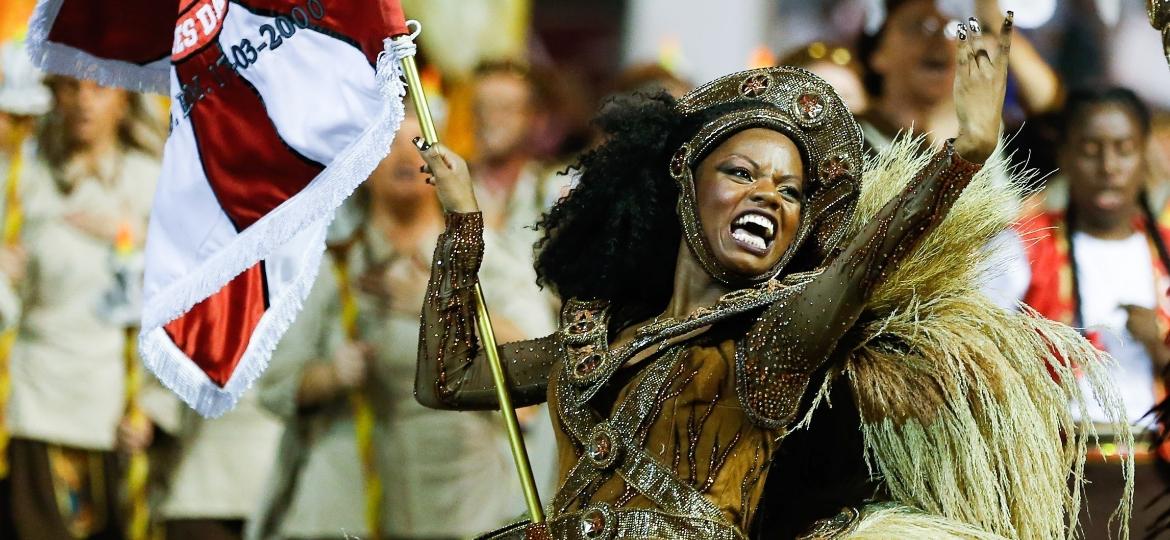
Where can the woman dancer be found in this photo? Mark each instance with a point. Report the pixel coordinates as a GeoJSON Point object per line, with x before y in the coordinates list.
{"type": "Point", "coordinates": [698, 347]}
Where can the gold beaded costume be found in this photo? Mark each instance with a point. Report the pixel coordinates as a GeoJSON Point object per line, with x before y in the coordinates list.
{"type": "Point", "coordinates": [1159, 13]}
{"type": "Point", "coordinates": [869, 326]}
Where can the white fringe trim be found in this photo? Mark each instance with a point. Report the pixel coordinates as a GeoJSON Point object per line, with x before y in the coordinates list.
{"type": "Point", "coordinates": [316, 202]}
{"type": "Point", "coordinates": [179, 373]}
{"type": "Point", "coordinates": [65, 60]}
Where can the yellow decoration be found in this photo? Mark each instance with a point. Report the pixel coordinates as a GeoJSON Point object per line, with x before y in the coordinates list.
{"type": "Point", "coordinates": [363, 413]}
{"type": "Point", "coordinates": [138, 468]}
{"type": "Point", "coordinates": [14, 19]}
{"type": "Point", "coordinates": [10, 235]}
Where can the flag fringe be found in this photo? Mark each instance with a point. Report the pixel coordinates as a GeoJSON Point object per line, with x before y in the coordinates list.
{"type": "Point", "coordinates": [316, 202]}
{"type": "Point", "coordinates": [72, 62]}
{"type": "Point", "coordinates": [183, 377]}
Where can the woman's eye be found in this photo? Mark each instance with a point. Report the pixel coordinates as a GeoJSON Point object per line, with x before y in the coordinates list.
{"type": "Point", "coordinates": [741, 172]}
{"type": "Point", "coordinates": [792, 193]}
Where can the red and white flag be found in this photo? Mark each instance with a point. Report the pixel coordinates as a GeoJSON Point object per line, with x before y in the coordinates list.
{"type": "Point", "coordinates": [280, 109]}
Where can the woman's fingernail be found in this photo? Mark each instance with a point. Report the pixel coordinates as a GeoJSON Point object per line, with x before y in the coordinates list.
{"type": "Point", "coordinates": [419, 142]}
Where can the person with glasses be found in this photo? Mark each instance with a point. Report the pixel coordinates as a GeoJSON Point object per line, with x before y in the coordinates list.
{"type": "Point", "coordinates": [908, 55]}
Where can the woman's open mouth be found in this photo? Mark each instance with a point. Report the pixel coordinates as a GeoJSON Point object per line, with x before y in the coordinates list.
{"type": "Point", "coordinates": [754, 232]}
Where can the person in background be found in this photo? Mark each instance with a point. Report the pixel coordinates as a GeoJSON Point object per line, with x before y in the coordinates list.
{"type": "Point", "coordinates": [515, 188]}
{"type": "Point", "coordinates": [909, 62]}
{"type": "Point", "coordinates": [210, 473]}
{"type": "Point", "coordinates": [23, 100]}
{"type": "Point", "coordinates": [1100, 265]}
{"type": "Point", "coordinates": [1159, 182]}
{"type": "Point", "coordinates": [441, 475]}
{"type": "Point", "coordinates": [839, 66]}
{"type": "Point", "coordinates": [908, 53]}
{"type": "Point", "coordinates": [85, 199]}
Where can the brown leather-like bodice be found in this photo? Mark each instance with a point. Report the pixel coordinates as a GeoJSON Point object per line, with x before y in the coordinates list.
{"type": "Point", "coordinates": [696, 428]}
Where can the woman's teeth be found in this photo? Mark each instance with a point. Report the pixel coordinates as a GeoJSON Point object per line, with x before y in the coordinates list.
{"type": "Point", "coordinates": [769, 228]}
{"type": "Point", "coordinates": [749, 239]}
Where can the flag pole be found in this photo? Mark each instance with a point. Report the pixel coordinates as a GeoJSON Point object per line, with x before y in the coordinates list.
{"type": "Point", "coordinates": [482, 322]}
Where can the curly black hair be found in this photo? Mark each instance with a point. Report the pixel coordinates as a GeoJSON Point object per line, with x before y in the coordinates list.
{"type": "Point", "coordinates": [616, 236]}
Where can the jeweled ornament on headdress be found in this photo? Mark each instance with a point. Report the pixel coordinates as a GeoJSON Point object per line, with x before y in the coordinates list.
{"type": "Point", "coordinates": [809, 109]}
{"type": "Point", "coordinates": [754, 86]}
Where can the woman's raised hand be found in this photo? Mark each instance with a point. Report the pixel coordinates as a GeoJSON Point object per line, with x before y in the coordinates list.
{"type": "Point", "coordinates": [450, 177]}
{"type": "Point", "coordinates": [980, 86]}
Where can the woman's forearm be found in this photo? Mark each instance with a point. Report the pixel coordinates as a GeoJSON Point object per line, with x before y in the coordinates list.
{"type": "Point", "coordinates": [452, 370]}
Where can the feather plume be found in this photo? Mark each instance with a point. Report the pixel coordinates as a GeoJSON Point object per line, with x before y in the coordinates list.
{"type": "Point", "coordinates": [968, 409]}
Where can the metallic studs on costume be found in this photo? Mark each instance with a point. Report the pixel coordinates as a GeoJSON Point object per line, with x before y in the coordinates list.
{"type": "Point", "coordinates": [584, 338]}
{"type": "Point", "coordinates": [598, 522]}
{"type": "Point", "coordinates": [809, 109]}
{"type": "Point", "coordinates": [755, 86]}
{"type": "Point", "coordinates": [810, 106]}
{"type": "Point", "coordinates": [592, 523]}
{"type": "Point", "coordinates": [537, 532]}
{"type": "Point", "coordinates": [582, 327]}
{"type": "Point", "coordinates": [678, 163]}
{"type": "Point", "coordinates": [834, 167]}
{"type": "Point", "coordinates": [602, 448]}
{"type": "Point", "coordinates": [735, 296]}
{"type": "Point", "coordinates": [587, 364]}
{"type": "Point", "coordinates": [657, 326]}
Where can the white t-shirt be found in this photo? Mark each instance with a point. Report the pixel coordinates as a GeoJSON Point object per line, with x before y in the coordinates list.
{"type": "Point", "coordinates": [1111, 273]}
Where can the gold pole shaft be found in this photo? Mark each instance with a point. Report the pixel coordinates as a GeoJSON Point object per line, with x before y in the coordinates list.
{"type": "Point", "coordinates": [515, 439]}
{"type": "Point", "coordinates": [482, 322]}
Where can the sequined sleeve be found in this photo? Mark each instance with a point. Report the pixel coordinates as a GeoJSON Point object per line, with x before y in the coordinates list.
{"type": "Point", "coordinates": [795, 336]}
{"type": "Point", "coordinates": [453, 372]}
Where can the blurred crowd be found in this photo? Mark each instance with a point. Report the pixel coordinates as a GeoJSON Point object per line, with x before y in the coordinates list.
{"type": "Point", "coordinates": [331, 442]}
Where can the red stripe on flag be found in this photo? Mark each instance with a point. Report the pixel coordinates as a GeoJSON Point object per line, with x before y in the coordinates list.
{"type": "Point", "coordinates": [216, 332]}
{"type": "Point", "coordinates": [137, 31]}
{"type": "Point", "coordinates": [250, 168]}
{"type": "Point", "coordinates": [198, 25]}
{"type": "Point", "coordinates": [366, 22]}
